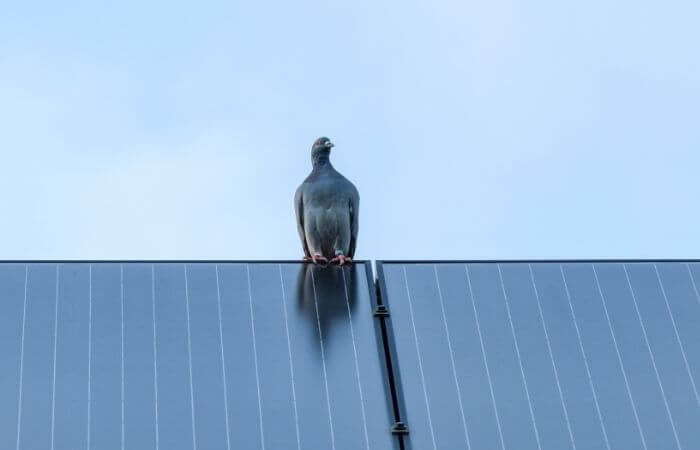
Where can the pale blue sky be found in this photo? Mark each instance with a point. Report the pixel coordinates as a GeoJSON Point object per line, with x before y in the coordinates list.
{"type": "Point", "coordinates": [499, 129]}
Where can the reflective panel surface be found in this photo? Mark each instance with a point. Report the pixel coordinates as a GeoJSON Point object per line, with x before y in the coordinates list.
{"type": "Point", "coordinates": [187, 356]}
{"type": "Point", "coordinates": [546, 355]}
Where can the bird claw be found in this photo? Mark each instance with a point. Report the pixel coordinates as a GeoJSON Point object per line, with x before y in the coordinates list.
{"type": "Point", "coordinates": [319, 258]}
{"type": "Point", "coordinates": [341, 259]}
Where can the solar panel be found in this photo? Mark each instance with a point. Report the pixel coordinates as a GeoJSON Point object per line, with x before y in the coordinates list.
{"type": "Point", "coordinates": [546, 355]}
{"type": "Point", "coordinates": [190, 355]}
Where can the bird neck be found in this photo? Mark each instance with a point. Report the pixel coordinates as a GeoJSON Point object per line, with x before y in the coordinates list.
{"type": "Point", "coordinates": [321, 161]}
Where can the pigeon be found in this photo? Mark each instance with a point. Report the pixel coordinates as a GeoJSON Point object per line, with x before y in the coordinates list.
{"type": "Point", "coordinates": [327, 206]}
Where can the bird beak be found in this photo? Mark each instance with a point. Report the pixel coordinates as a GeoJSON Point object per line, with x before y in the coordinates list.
{"type": "Point", "coordinates": [330, 145]}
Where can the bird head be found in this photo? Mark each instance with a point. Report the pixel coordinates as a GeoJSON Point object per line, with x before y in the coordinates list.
{"type": "Point", "coordinates": [321, 149]}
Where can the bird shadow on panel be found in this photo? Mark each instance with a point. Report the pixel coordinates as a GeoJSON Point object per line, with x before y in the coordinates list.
{"type": "Point", "coordinates": [326, 296]}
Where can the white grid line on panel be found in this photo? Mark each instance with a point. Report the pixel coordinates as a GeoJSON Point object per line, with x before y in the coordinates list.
{"type": "Point", "coordinates": [357, 364]}
{"type": "Point", "coordinates": [121, 305]}
{"type": "Point", "coordinates": [255, 357]}
{"type": "Point", "coordinates": [692, 281]}
{"type": "Point", "coordinates": [323, 360]}
{"type": "Point", "coordinates": [585, 358]}
{"type": "Point", "coordinates": [189, 357]}
{"type": "Point", "coordinates": [155, 355]}
{"type": "Point", "coordinates": [21, 356]}
{"type": "Point", "coordinates": [291, 364]}
{"type": "Point", "coordinates": [651, 355]}
{"type": "Point", "coordinates": [483, 354]}
{"type": "Point", "coordinates": [223, 360]}
{"type": "Point", "coordinates": [678, 338]}
{"type": "Point", "coordinates": [420, 362]}
{"type": "Point", "coordinates": [452, 359]}
{"type": "Point", "coordinates": [55, 357]}
{"type": "Point", "coordinates": [89, 394]}
{"type": "Point", "coordinates": [619, 357]}
{"type": "Point", "coordinates": [520, 360]}
{"type": "Point", "coordinates": [551, 358]}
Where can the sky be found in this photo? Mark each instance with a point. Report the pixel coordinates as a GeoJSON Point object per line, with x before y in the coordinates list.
{"type": "Point", "coordinates": [506, 129]}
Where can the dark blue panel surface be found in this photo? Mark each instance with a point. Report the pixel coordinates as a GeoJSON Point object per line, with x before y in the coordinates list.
{"type": "Point", "coordinates": [139, 367]}
{"type": "Point", "coordinates": [12, 295]}
{"type": "Point", "coordinates": [106, 356]}
{"type": "Point", "coordinates": [331, 394]}
{"type": "Point", "coordinates": [667, 352]}
{"type": "Point", "coordinates": [511, 391]}
{"type": "Point", "coordinates": [578, 395]}
{"type": "Point", "coordinates": [644, 388]}
{"type": "Point", "coordinates": [339, 347]}
{"type": "Point", "coordinates": [207, 368]}
{"type": "Point", "coordinates": [615, 403]}
{"type": "Point", "coordinates": [191, 355]}
{"type": "Point", "coordinates": [241, 393]}
{"type": "Point", "coordinates": [680, 291]}
{"type": "Point", "coordinates": [470, 366]}
{"type": "Point", "coordinates": [315, 417]}
{"type": "Point", "coordinates": [546, 355]}
{"type": "Point", "coordinates": [176, 427]}
{"type": "Point", "coordinates": [409, 361]}
{"type": "Point", "coordinates": [35, 418]}
{"type": "Point", "coordinates": [538, 363]}
{"type": "Point", "coordinates": [72, 363]}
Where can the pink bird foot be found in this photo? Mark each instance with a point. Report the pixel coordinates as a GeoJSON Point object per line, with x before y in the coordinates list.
{"type": "Point", "coordinates": [319, 258]}
{"type": "Point", "coordinates": [342, 259]}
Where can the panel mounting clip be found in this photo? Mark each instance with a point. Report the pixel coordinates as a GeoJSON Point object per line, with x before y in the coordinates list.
{"type": "Point", "coordinates": [381, 311]}
{"type": "Point", "coordinates": [399, 428]}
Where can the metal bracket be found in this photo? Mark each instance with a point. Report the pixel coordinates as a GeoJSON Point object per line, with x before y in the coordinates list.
{"type": "Point", "coordinates": [381, 311]}
{"type": "Point", "coordinates": [399, 428]}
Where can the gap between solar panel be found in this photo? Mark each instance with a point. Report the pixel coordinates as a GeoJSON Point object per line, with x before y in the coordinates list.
{"type": "Point", "coordinates": [383, 314]}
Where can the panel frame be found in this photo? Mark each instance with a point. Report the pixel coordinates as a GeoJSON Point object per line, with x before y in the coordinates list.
{"type": "Point", "coordinates": [391, 353]}
{"type": "Point", "coordinates": [378, 296]}
{"type": "Point", "coordinates": [378, 323]}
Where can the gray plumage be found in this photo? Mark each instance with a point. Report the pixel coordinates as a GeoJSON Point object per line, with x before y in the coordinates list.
{"type": "Point", "coordinates": [327, 208]}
